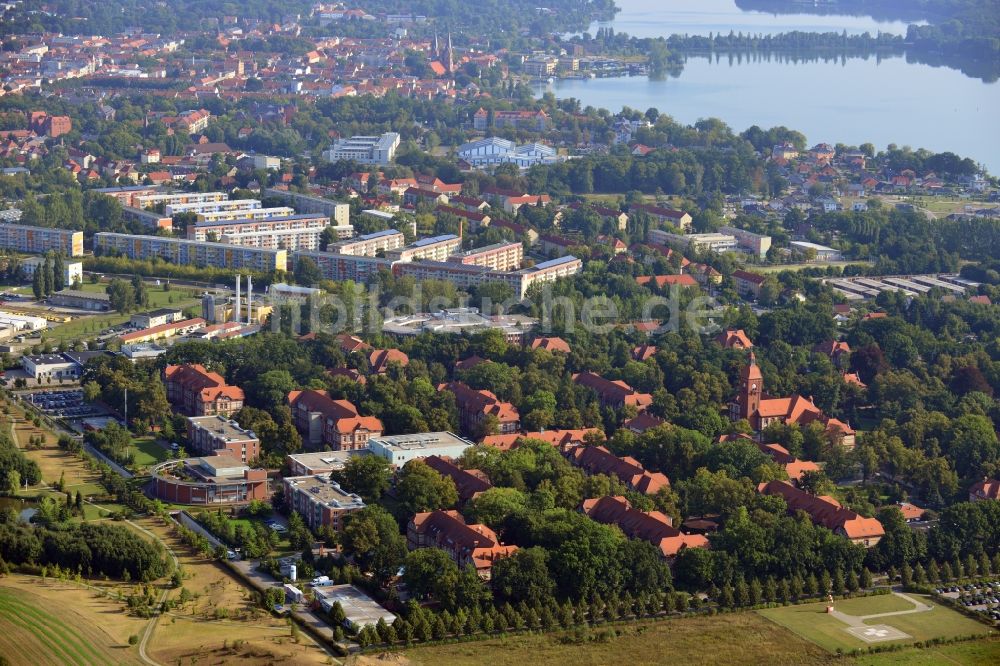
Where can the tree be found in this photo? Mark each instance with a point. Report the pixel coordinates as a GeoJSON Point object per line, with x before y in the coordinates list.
{"type": "Point", "coordinates": [420, 488]}
{"type": "Point", "coordinates": [140, 291]}
{"type": "Point", "coordinates": [524, 576]}
{"type": "Point", "coordinates": [58, 272]}
{"type": "Point", "coordinates": [306, 272]}
{"type": "Point", "coordinates": [430, 572]}
{"type": "Point", "coordinates": [38, 284]}
{"type": "Point", "coordinates": [121, 296]}
{"type": "Point", "coordinates": [368, 476]}
{"type": "Point", "coordinates": [373, 537]}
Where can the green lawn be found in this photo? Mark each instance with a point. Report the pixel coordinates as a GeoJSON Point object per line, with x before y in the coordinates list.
{"type": "Point", "coordinates": [90, 325]}
{"type": "Point", "coordinates": [811, 621]}
{"type": "Point", "coordinates": [148, 452]}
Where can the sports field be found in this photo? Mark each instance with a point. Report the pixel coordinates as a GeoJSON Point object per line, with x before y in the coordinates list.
{"type": "Point", "coordinates": [927, 621]}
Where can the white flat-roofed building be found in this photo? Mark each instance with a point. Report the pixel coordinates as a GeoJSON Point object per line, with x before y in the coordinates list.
{"type": "Point", "coordinates": [456, 321]}
{"type": "Point", "coordinates": [378, 150]}
{"type": "Point", "coordinates": [192, 253]}
{"type": "Point", "coordinates": [338, 211]}
{"type": "Point", "coordinates": [22, 322]}
{"type": "Point", "coordinates": [141, 351]}
{"type": "Point", "coordinates": [321, 462]}
{"type": "Point", "coordinates": [72, 270]}
{"type": "Point", "coordinates": [50, 366]}
{"type": "Point", "coordinates": [711, 241]}
{"type": "Point", "coordinates": [360, 610]}
{"type": "Point", "coordinates": [504, 256]}
{"type": "Point", "coordinates": [400, 449]}
{"type": "Point", "coordinates": [247, 214]}
{"type": "Point", "coordinates": [436, 248]}
{"type": "Point", "coordinates": [283, 290]}
{"type": "Point", "coordinates": [823, 253]}
{"type": "Point", "coordinates": [754, 244]}
{"type": "Point", "coordinates": [200, 207]}
{"type": "Point", "coordinates": [369, 245]}
{"type": "Point", "coordinates": [199, 231]}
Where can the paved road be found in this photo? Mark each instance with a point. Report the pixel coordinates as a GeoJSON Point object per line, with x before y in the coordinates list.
{"type": "Point", "coordinates": [860, 620]}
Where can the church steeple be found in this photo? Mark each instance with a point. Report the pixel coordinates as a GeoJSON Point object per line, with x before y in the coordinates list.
{"type": "Point", "coordinates": [751, 389]}
{"type": "Point", "coordinates": [451, 56]}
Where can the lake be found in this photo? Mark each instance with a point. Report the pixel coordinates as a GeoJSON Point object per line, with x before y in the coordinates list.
{"type": "Point", "coordinates": [859, 100]}
{"type": "Point", "coordinates": [660, 18]}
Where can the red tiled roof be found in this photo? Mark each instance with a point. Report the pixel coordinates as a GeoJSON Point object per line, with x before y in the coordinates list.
{"type": "Point", "coordinates": [643, 352]}
{"type": "Point", "coordinates": [652, 526]}
{"type": "Point", "coordinates": [343, 413]}
{"type": "Point", "coordinates": [557, 438]}
{"type": "Point", "coordinates": [613, 391]}
{"type": "Point", "coordinates": [734, 339]}
{"type": "Point", "coordinates": [824, 511]}
{"type": "Point", "coordinates": [599, 460]}
{"type": "Point", "coordinates": [551, 344]}
{"type": "Point", "coordinates": [468, 482]}
{"type": "Point", "coordinates": [380, 359]}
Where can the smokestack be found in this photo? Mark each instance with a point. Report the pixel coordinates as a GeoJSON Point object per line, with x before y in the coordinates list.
{"type": "Point", "coordinates": [236, 304]}
{"type": "Point", "coordinates": [249, 298]}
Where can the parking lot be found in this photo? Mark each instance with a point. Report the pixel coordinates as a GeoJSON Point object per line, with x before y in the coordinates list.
{"type": "Point", "coordinates": [980, 597]}
{"type": "Point", "coordinates": [67, 403]}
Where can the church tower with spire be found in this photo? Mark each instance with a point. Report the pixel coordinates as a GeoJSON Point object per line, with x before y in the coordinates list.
{"type": "Point", "coordinates": [450, 64]}
{"type": "Point", "coordinates": [750, 391]}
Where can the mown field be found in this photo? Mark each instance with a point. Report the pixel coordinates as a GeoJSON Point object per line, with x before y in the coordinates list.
{"type": "Point", "coordinates": [811, 622]}
{"type": "Point", "coordinates": [40, 624]}
{"type": "Point", "coordinates": [738, 638]}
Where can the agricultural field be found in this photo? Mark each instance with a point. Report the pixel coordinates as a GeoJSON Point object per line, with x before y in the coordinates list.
{"type": "Point", "coordinates": [812, 622]}
{"type": "Point", "coordinates": [52, 622]}
{"type": "Point", "coordinates": [738, 638]}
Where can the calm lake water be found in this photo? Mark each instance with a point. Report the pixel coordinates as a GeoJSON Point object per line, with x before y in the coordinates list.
{"type": "Point", "coordinates": [854, 101]}
{"type": "Point", "coordinates": [660, 18]}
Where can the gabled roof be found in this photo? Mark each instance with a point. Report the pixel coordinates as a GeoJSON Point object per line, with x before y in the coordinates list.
{"type": "Point", "coordinates": [652, 526]}
{"type": "Point", "coordinates": [986, 489]}
{"type": "Point", "coordinates": [468, 482]}
{"type": "Point", "coordinates": [613, 391]}
{"type": "Point", "coordinates": [599, 460]}
{"type": "Point", "coordinates": [342, 413]}
{"type": "Point", "coordinates": [551, 344]}
{"type": "Point", "coordinates": [734, 339]}
{"type": "Point", "coordinates": [824, 511]}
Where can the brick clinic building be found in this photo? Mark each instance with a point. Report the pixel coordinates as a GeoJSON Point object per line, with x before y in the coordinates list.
{"type": "Point", "coordinates": [320, 500]}
{"type": "Point", "coordinates": [324, 421]}
{"type": "Point", "coordinates": [210, 480]}
{"type": "Point", "coordinates": [475, 545]}
{"type": "Point", "coordinates": [217, 435]}
{"type": "Point", "coordinates": [199, 392]}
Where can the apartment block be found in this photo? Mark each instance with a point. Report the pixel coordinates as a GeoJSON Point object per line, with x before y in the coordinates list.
{"type": "Point", "coordinates": [39, 240]}
{"type": "Point", "coordinates": [147, 218]}
{"type": "Point", "coordinates": [369, 245]}
{"type": "Point", "coordinates": [149, 200]}
{"type": "Point", "coordinates": [191, 253]}
{"type": "Point", "coordinates": [436, 248]}
{"type": "Point", "coordinates": [200, 230]}
{"type": "Point", "coordinates": [212, 435]}
{"type": "Point", "coordinates": [292, 240]}
{"type": "Point", "coordinates": [504, 256]}
{"type": "Point", "coordinates": [338, 211]}
{"type": "Point", "coordinates": [334, 266]}
{"type": "Point", "coordinates": [199, 207]}
{"type": "Point", "coordinates": [246, 214]}
{"type": "Point", "coordinates": [130, 195]}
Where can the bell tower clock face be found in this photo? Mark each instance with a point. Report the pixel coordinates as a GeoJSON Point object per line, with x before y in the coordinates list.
{"type": "Point", "coordinates": [753, 387]}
